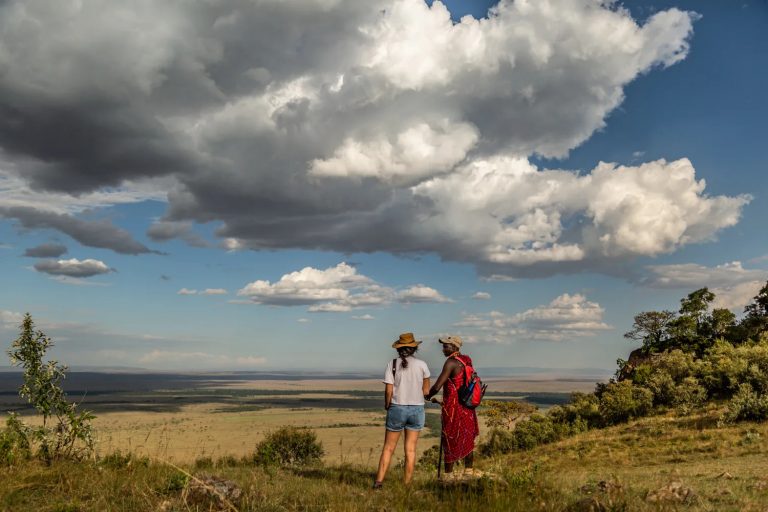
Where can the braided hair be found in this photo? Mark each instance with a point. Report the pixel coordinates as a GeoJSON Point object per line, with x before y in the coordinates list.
{"type": "Point", "coordinates": [405, 352]}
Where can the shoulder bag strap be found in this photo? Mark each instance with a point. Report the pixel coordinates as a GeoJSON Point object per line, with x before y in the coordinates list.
{"type": "Point", "coordinates": [394, 369]}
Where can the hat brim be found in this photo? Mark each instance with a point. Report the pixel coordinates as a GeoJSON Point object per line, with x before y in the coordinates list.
{"type": "Point", "coordinates": [399, 344]}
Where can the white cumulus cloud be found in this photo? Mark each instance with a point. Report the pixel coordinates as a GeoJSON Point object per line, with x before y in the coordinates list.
{"type": "Point", "coordinates": [333, 290]}
{"type": "Point", "coordinates": [420, 293]}
{"type": "Point", "coordinates": [368, 126]}
{"type": "Point", "coordinates": [733, 285]}
{"type": "Point", "coordinates": [564, 318]}
{"type": "Point", "coordinates": [73, 267]}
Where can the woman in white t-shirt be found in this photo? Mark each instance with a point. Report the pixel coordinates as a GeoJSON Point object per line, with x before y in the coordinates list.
{"type": "Point", "coordinates": [406, 381]}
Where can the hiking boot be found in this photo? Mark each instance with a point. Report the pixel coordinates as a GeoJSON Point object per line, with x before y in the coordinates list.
{"type": "Point", "coordinates": [377, 485]}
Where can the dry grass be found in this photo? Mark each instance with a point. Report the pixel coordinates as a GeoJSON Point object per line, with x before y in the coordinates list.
{"type": "Point", "coordinates": [199, 431]}
{"type": "Point", "coordinates": [727, 468]}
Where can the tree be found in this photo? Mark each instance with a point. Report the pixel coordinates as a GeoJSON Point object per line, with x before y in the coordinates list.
{"type": "Point", "coordinates": [65, 431]}
{"type": "Point", "coordinates": [505, 414]}
{"type": "Point", "coordinates": [756, 318]}
{"type": "Point", "coordinates": [691, 329]}
{"type": "Point", "coordinates": [696, 305]}
{"type": "Point", "coordinates": [721, 321]}
{"type": "Point", "coordinates": [651, 328]}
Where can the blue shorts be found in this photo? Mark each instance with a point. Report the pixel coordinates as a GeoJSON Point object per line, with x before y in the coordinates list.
{"type": "Point", "coordinates": [409, 417]}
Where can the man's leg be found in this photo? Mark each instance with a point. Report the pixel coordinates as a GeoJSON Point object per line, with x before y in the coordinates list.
{"type": "Point", "coordinates": [469, 460]}
{"type": "Point", "coordinates": [390, 443]}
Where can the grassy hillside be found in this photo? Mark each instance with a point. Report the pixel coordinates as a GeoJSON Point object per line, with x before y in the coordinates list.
{"type": "Point", "coordinates": [618, 468]}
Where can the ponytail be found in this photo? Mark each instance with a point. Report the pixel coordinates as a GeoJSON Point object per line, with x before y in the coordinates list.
{"type": "Point", "coordinates": [404, 353]}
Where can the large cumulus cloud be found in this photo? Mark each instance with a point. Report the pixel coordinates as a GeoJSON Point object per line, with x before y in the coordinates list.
{"type": "Point", "coordinates": [354, 126]}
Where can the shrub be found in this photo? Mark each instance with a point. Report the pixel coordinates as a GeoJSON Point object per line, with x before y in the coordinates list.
{"type": "Point", "coordinates": [203, 462]}
{"type": "Point", "coordinates": [536, 430]}
{"type": "Point", "coordinates": [746, 404]}
{"type": "Point", "coordinates": [505, 414]}
{"type": "Point", "coordinates": [428, 459]}
{"type": "Point", "coordinates": [688, 395]}
{"type": "Point", "coordinates": [725, 367]}
{"type": "Point", "coordinates": [662, 386]}
{"type": "Point", "coordinates": [583, 412]}
{"type": "Point", "coordinates": [65, 431]}
{"type": "Point", "coordinates": [176, 481]}
{"type": "Point", "coordinates": [289, 446]}
{"type": "Point", "coordinates": [120, 460]}
{"type": "Point", "coordinates": [622, 401]}
{"type": "Point", "coordinates": [14, 446]}
{"type": "Point", "coordinates": [499, 442]}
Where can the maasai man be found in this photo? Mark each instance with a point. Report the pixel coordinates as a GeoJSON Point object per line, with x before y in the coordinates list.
{"type": "Point", "coordinates": [459, 423]}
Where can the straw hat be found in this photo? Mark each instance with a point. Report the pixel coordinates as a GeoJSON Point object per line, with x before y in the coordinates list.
{"type": "Point", "coordinates": [406, 340]}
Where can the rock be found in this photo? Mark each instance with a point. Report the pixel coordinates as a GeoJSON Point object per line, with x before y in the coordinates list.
{"type": "Point", "coordinates": [725, 475]}
{"type": "Point", "coordinates": [213, 490]}
{"type": "Point", "coordinates": [674, 491]}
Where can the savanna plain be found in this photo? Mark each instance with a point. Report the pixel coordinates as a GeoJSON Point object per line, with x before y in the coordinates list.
{"type": "Point", "coordinates": [160, 435]}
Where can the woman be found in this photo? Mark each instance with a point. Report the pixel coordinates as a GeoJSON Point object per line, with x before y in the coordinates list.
{"type": "Point", "coordinates": [406, 381]}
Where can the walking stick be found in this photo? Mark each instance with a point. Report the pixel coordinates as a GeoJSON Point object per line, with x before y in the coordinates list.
{"type": "Point", "coordinates": [440, 455]}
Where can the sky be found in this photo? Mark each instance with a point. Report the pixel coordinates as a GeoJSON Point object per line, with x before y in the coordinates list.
{"type": "Point", "coordinates": [266, 185]}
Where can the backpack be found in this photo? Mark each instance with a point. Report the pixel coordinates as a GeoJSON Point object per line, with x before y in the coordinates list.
{"type": "Point", "coordinates": [471, 391]}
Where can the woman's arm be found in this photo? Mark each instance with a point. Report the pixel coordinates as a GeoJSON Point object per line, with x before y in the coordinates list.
{"type": "Point", "coordinates": [388, 389]}
{"type": "Point", "coordinates": [425, 386]}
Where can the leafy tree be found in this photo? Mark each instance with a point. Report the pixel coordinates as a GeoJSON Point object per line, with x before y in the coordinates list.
{"type": "Point", "coordinates": [505, 414]}
{"type": "Point", "coordinates": [721, 322]}
{"type": "Point", "coordinates": [65, 431]}
{"type": "Point", "coordinates": [756, 319]}
{"type": "Point", "coordinates": [692, 329]}
{"type": "Point", "coordinates": [651, 328]}
{"type": "Point", "coordinates": [696, 305]}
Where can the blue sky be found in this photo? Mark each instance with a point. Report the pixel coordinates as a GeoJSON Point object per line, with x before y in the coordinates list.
{"type": "Point", "coordinates": [217, 194]}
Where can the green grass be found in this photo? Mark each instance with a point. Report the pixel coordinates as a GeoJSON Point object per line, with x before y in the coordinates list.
{"type": "Point", "coordinates": [727, 468]}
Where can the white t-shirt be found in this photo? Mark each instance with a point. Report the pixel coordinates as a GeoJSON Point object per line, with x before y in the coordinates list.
{"type": "Point", "coordinates": [408, 382]}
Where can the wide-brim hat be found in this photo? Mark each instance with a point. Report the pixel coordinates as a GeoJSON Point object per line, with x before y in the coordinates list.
{"type": "Point", "coordinates": [451, 340]}
{"type": "Point", "coordinates": [406, 340]}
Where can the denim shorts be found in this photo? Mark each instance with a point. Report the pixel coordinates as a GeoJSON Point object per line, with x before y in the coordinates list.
{"type": "Point", "coordinates": [409, 417]}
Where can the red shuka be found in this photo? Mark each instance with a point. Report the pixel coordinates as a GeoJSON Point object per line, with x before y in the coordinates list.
{"type": "Point", "coordinates": [460, 426]}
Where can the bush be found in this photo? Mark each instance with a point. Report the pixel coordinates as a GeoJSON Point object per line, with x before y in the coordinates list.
{"type": "Point", "coordinates": [65, 431]}
{"type": "Point", "coordinates": [688, 395]}
{"type": "Point", "coordinates": [499, 442]}
{"type": "Point", "coordinates": [662, 386]}
{"type": "Point", "coordinates": [505, 414]}
{"type": "Point", "coordinates": [536, 430]}
{"type": "Point", "coordinates": [582, 412]}
{"type": "Point", "coordinates": [203, 462]}
{"type": "Point", "coordinates": [428, 459]}
{"type": "Point", "coordinates": [622, 401]}
{"type": "Point", "coordinates": [120, 460]}
{"type": "Point", "coordinates": [14, 446]}
{"type": "Point", "coordinates": [289, 446]}
{"type": "Point", "coordinates": [746, 405]}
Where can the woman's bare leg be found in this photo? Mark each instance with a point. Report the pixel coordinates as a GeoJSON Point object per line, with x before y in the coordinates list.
{"type": "Point", "coordinates": [390, 443]}
{"type": "Point", "coordinates": [411, 438]}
